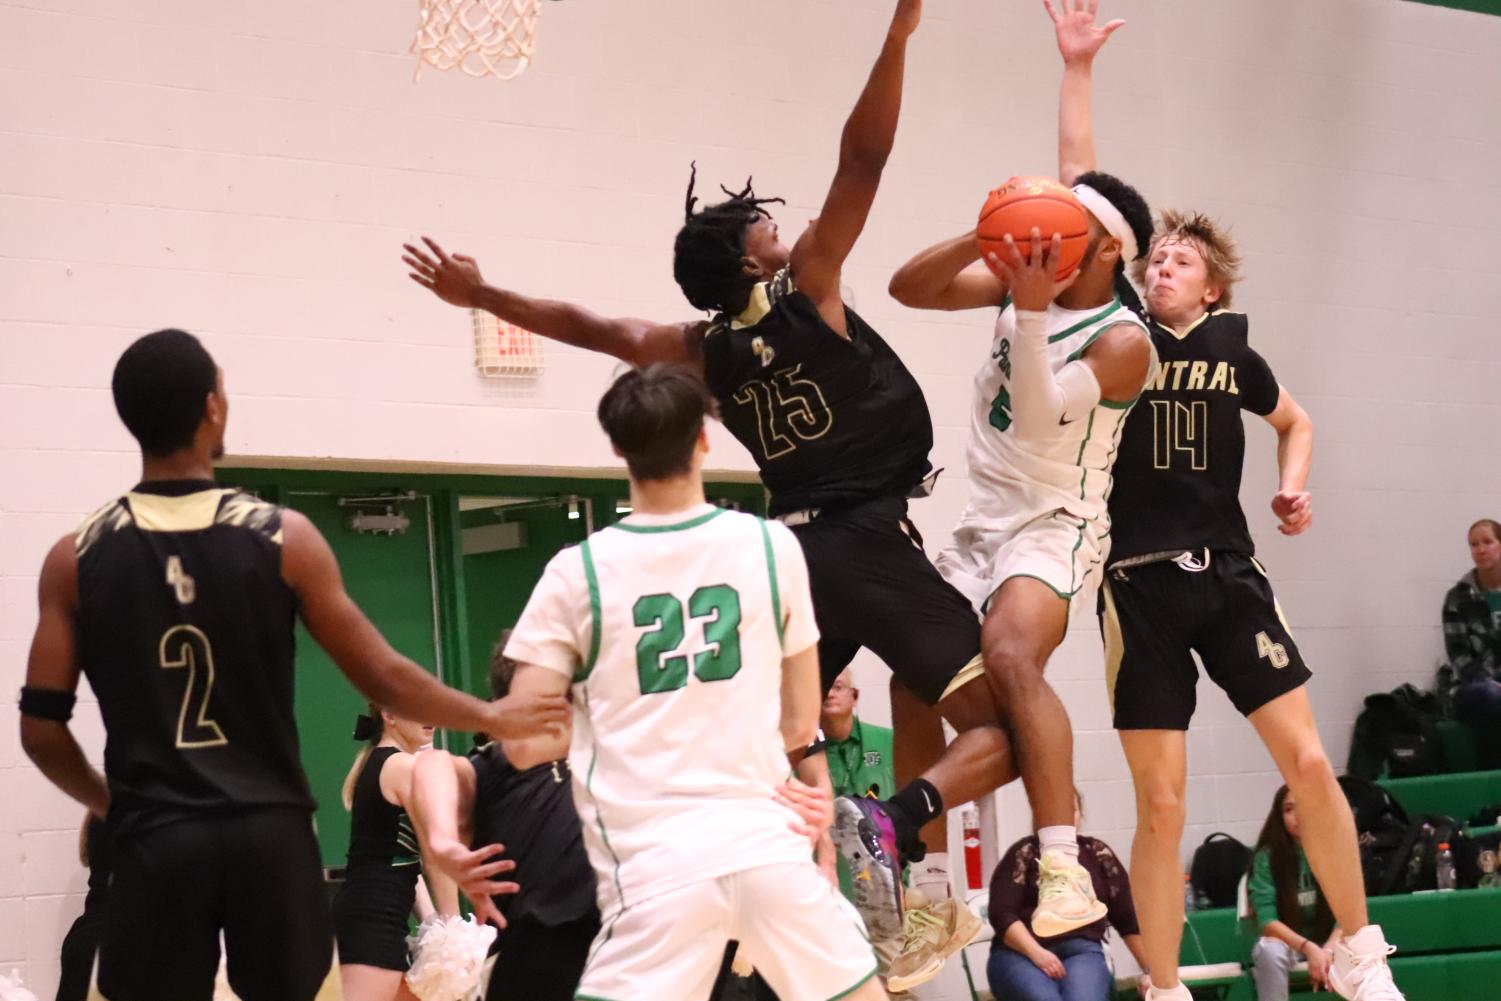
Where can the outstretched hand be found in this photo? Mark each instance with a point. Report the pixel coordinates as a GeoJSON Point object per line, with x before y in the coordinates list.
{"type": "Point", "coordinates": [1079, 37]}
{"type": "Point", "coordinates": [454, 278]}
{"type": "Point", "coordinates": [908, 14]}
{"type": "Point", "coordinates": [1032, 282]}
{"type": "Point", "coordinates": [474, 871]}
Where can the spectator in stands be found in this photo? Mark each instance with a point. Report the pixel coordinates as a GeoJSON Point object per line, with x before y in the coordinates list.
{"type": "Point", "coordinates": [1472, 640]}
{"type": "Point", "coordinates": [1067, 967]}
{"type": "Point", "coordinates": [1294, 919]}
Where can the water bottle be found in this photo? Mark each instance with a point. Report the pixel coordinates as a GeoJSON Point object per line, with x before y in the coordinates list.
{"type": "Point", "coordinates": [1444, 865]}
{"type": "Point", "coordinates": [1188, 894]}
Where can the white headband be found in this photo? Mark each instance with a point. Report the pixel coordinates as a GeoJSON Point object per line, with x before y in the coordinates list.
{"type": "Point", "coordinates": [1110, 217]}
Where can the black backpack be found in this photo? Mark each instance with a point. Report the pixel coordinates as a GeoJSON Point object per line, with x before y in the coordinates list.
{"type": "Point", "coordinates": [1397, 735]}
{"type": "Point", "coordinates": [1413, 866]}
{"type": "Point", "coordinates": [1217, 866]}
{"type": "Point", "coordinates": [1381, 826]}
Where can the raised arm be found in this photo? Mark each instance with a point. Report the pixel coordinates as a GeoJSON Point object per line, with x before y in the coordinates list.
{"type": "Point", "coordinates": [381, 674]}
{"type": "Point", "coordinates": [1079, 39]}
{"type": "Point", "coordinates": [456, 279]}
{"type": "Point", "coordinates": [819, 254]}
{"type": "Point", "coordinates": [1293, 504]}
{"type": "Point", "coordinates": [948, 276]}
{"type": "Point", "coordinates": [52, 685]}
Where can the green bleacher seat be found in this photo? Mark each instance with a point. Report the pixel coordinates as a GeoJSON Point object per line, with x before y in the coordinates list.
{"type": "Point", "coordinates": [1458, 795]}
{"type": "Point", "coordinates": [1416, 923]}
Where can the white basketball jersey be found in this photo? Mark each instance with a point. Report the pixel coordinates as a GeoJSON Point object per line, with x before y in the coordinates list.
{"type": "Point", "coordinates": [673, 630]}
{"type": "Point", "coordinates": [1017, 479]}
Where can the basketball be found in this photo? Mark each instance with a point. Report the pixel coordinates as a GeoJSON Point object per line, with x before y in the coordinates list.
{"type": "Point", "coordinates": [1023, 203]}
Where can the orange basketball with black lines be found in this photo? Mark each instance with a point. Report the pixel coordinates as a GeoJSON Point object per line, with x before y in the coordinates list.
{"type": "Point", "coordinates": [1026, 202]}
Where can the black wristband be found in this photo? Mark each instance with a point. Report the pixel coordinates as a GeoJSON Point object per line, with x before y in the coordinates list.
{"type": "Point", "coordinates": [819, 745]}
{"type": "Point", "coordinates": [47, 703]}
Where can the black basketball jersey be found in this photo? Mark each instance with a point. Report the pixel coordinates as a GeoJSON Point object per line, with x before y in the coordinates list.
{"type": "Point", "coordinates": [532, 813]}
{"type": "Point", "coordinates": [380, 832]}
{"type": "Point", "coordinates": [1177, 476]}
{"type": "Point", "coordinates": [185, 634]}
{"type": "Point", "coordinates": [829, 421]}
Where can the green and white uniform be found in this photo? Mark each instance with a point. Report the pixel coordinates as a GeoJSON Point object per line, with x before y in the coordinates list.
{"type": "Point", "coordinates": [673, 630]}
{"type": "Point", "coordinates": [1037, 504]}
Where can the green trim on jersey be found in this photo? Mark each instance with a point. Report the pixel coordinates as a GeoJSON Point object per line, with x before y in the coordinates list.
{"type": "Point", "coordinates": [776, 594]}
{"type": "Point", "coordinates": [597, 619]}
{"type": "Point", "coordinates": [1127, 405]}
{"type": "Point", "coordinates": [1131, 320]}
{"type": "Point", "coordinates": [1114, 305]}
{"type": "Point", "coordinates": [599, 821]}
{"type": "Point", "coordinates": [858, 984]}
{"type": "Point", "coordinates": [679, 527]}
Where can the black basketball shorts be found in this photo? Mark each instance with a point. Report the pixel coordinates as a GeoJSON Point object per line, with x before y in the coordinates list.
{"type": "Point", "coordinates": [873, 586]}
{"type": "Point", "coordinates": [254, 874]}
{"type": "Point", "coordinates": [1220, 605]}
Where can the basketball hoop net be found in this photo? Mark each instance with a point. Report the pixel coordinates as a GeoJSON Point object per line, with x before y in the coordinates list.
{"type": "Point", "coordinates": [481, 37]}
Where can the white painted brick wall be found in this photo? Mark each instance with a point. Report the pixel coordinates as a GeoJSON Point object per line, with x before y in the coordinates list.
{"type": "Point", "coordinates": [248, 172]}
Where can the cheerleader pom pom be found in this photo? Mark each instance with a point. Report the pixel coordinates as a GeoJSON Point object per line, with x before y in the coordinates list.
{"type": "Point", "coordinates": [11, 989]}
{"type": "Point", "coordinates": [448, 955]}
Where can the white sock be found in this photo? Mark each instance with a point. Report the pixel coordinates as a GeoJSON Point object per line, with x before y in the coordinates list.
{"type": "Point", "coordinates": [931, 876]}
{"type": "Point", "coordinates": [1060, 839]}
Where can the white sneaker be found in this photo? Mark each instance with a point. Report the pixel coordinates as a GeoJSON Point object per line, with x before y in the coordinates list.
{"type": "Point", "coordinates": [1359, 971]}
{"type": "Point", "coordinates": [1065, 897]}
{"type": "Point", "coordinates": [1179, 993]}
{"type": "Point", "coordinates": [931, 934]}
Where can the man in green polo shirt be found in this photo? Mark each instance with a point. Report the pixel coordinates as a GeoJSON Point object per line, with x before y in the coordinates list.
{"type": "Point", "coordinates": [859, 753]}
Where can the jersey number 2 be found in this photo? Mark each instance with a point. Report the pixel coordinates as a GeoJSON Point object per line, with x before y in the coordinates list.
{"type": "Point", "coordinates": [660, 663]}
{"type": "Point", "coordinates": [186, 648]}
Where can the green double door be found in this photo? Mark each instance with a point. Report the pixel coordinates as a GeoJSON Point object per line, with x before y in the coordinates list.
{"type": "Point", "coordinates": [391, 578]}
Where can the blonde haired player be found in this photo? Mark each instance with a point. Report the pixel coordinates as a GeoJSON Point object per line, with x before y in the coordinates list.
{"type": "Point", "coordinates": [686, 635]}
{"type": "Point", "coordinates": [1184, 579]}
{"type": "Point", "coordinates": [1066, 364]}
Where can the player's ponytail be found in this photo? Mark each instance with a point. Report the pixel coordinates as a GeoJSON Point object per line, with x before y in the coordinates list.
{"type": "Point", "coordinates": [370, 728]}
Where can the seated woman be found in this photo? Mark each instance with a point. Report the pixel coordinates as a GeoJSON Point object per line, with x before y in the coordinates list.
{"type": "Point", "coordinates": [1294, 919]}
{"type": "Point", "coordinates": [1472, 640]}
{"type": "Point", "coordinates": [1067, 967]}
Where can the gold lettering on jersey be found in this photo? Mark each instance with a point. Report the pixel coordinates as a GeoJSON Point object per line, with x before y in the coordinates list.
{"type": "Point", "coordinates": [188, 647]}
{"type": "Point", "coordinates": [1199, 377]}
{"type": "Point", "coordinates": [186, 590]}
{"type": "Point", "coordinates": [788, 409]}
{"type": "Point", "coordinates": [1180, 429]}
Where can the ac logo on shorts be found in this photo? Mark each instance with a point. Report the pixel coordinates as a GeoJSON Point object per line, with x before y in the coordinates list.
{"type": "Point", "coordinates": [1275, 652]}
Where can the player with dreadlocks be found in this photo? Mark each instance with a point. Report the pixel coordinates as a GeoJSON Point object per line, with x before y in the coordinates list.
{"type": "Point", "coordinates": [841, 433]}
